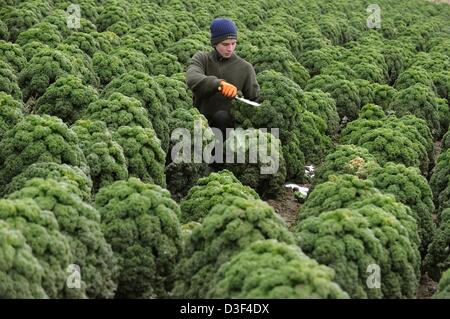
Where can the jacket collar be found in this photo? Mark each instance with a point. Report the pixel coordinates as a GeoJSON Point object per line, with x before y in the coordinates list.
{"type": "Point", "coordinates": [217, 57]}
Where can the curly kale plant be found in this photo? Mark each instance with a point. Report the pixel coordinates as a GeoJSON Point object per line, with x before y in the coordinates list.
{"type": "Point", "coordinates": [66, 99]}
{"type": "Point", "coordinates": [141, 223]}
{"type": "Point", "coordinates": [230, 227]}
{"type": "Point", "coordinates": [104, 156]}
{"type": "Point", "coordinates": [80, 223]}
{"type": "Point", "coordinates": [270, 269]}
{"type": "Point", "coordinates": [38, 139]}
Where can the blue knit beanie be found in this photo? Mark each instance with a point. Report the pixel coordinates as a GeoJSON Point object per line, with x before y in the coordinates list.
{"type": "Point", "coordinates": [222, 29]}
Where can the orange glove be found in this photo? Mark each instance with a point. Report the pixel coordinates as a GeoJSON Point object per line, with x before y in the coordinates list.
{"type": "Point", "coordinates": [228, 89]}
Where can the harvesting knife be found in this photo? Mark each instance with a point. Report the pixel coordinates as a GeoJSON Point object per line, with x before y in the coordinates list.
{"type": "Point", "coordinates": [243, 100]}
{"type": "Point", "coordinates": [246, 101]}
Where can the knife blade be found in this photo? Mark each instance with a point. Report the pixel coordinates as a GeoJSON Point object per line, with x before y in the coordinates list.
{"type": "Point", "coordinates": [247, 101]}
{"type": "Point", "coordinates": [243, 99]}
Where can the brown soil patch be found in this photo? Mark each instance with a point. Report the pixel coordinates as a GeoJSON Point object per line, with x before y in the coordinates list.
{"type": "Point", "coordinates": [286, 205]}
{"type": "Point", "coordinates": [427, 287]}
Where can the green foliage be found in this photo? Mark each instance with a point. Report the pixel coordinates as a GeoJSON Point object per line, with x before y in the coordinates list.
{"type": "Point", "coordinates": [136, 17]}
{"type": "Point", "coordinates": [268, 35]}
{"type": "Point", "coordinates": [40, 8]}
{"type": "Point", "coordinates": [107, 67]}
{"type": "Point", "coordinates": [110, 14]}
{"type": "Point", "coordinates": [88, 8]}
{"type": "Point", "coordinates": [346, 159]}
{"type": "Point", "coordinates": [398, 237]}
{"type": "Point", "coordinates": [446, 141]}
{"type": "Point", "coordinates": [437, 260]}
{"type": "Point", "coordinates": [66, 98]}
{"type": "Point", "coordinates": [4, 33]}
{"type": "Point", "coordinates": [383, 94]}
{"type": "Point", "coordinates": [162, 38]}
{"type": "Point", "coordinates": [322, 105]}
{"type": "Point", "coordinates": [120, 28]}
{"type": "Point", "coordinates": [210, 191]}
{"type": "Point", "coordinates": [441, 81]}
{"type": "Point", "coordinates": [163, 64]}
{"type": "Point", "coordinates": [80, 223]}
{"type": "Point", "coordinates": [134, 52]}
{"type": "Point", "coordinates": [432, 62]}
{"type": "Point", "coordinates": [44, 32]}
{"type": "Point", "coordinates": [82, 63]}
{"type": "Point", "coordinates": [59, 17]}
{"type": "Point", "coordinates": [366, 53]}
{"type": "Point", "coordinates": [403, 140]}
{"type": "Point", "coordinates": [389, 145]}
{"type": "Point", "coordinates": [42, 70]}
{"type": "Point", "coordinates": [140, 221]}
{"type": "Point", "coordinates": [336, 29]}
{"type": "Point", "coordinates": [8, 81]}
{"type": "Point", "coordinates": [281, 104]}
{"type": "Point", "coordinates": [84, 41]}
{"type": "Point", "coordinates": [314, 142]}
{"type": "Point", "coordinates": [183, 25]}
{"type": "Point", "coordinates": [412, 76]}
{"type": "Point", "coordinates": [444, 115]}
{"type": "Point", "coordinates": [347, 191]}
{"type": "Point", "coordinates": [107, 41]}
{"type": "Point", "coordinates": [417, 130]}
{"type": "Point", "coordinates": [184, 49]}
{"type": "Point", "coordinates": [313, 39]}
{"type": "Point", "coordinates": [420, 101]}
{"type": "Point", "coordinates": [316, 60]}
{"type": "Point", "coordinates": [18, 20]}
{"type": "Point", "coordinates": [11, 113]}
{"type": "Point", "coordinates": [396, 57]}
{"type": "Point", "coordinates": [411, 189]}
{"type": "Point", "coordinates": [20, 271]}
{"type": "Point", "coordinates": [256, 160]}
{"type": "Point", "coordinates": [351, 241]}
{"type": "Point", "coordinates": [177, 94]}
{"type": "Point", "coordinates": [294, 157]}
{"type": "Point", "coordinates": [118, 110]}
{"type": "Point", "coordinates": [230, 227]}
{"type": "Point", "coordinates": [38, 139]}
{"type": "Point", "coordinates": [183, 169]}
{"type": "Point", "coordinates": [281, 107]}
{"type": "Point", "coordinates": [440, 180]}
{"type": "Point", "coordinates": [370, 72]}
{"type": "Point", "coordinates": [281, 60]}
{"type": "Point", "coordinates": [344, 92]}
{"type": "Point", "coordinates": [104, 156]}
{"type": "Point", "coordinates": [13, 55]}
{"type": "Point", "coordinates": [269, 269]}
{"type": "Point", "coordinates": [31, 48]}
{"type": "Point", "coordinates": [340, 70]}
{"type": "Point", "coordinates": [133, 60]}
{"type": "Point", "coordinates": [366, 94]}
{"type": "Point", "coordinates": [444, 287]}
{"type": "Point", "coordinates": [72, 176]}
{"type": "Point", "coordinates": [147, 90]}
{"type": "Point", "coordinates": [48, 245]}
{"type": "Point", "coordinates": [143, 154]}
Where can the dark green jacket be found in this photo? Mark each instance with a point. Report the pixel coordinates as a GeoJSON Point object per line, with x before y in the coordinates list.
{"type": "Point", "coordinates": [205, 71]}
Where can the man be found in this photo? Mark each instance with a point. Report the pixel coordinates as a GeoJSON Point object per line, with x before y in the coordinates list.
{"type": "Point", "coordinates": [216, 77]}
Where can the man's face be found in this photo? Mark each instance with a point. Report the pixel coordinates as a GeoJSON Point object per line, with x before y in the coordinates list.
{"type": "Point", "coordinates": [226, 48]}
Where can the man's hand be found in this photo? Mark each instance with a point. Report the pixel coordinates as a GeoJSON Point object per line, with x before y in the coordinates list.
{"type": "Point", "coordinates": [228, 89]}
